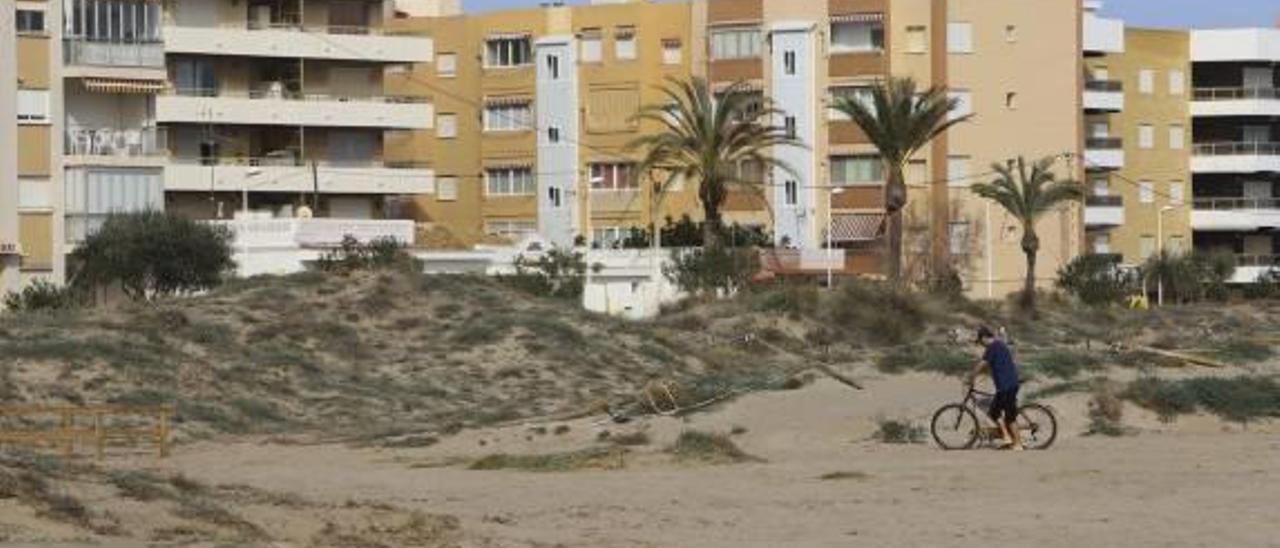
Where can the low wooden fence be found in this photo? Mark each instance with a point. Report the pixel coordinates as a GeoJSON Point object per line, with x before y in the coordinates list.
{"type": "Point", "coordinates": [68, 427]}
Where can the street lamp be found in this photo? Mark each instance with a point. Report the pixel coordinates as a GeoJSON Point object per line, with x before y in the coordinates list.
{"type": "Point", "coordinates": [831, 196]}
{"type": "Point", "coordinates": [1160, 251]}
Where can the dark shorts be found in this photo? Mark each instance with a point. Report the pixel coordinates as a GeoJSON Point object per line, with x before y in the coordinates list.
{"type": "Point", "coordinates": [1004, 404]}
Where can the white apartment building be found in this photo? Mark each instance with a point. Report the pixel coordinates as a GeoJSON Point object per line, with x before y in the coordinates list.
{"type": "Point", "coordinates": [281, 102]}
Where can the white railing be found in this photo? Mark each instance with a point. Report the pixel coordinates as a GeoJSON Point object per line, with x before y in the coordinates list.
{"type": "Point", "coordinates": [1236, 204]}
{"type": "Point", "coordinates": [275, 92]}
{"type": "Point", "coordinates": [1236, 93]}
{"type": "Point", "coordinates": [128, 142]}
{"type": "Point", "coordinates": [315, 233]}
{"type": "Point", "coordinates": [114, 54]}
{"type": "Point", "coordinates": [1237, 149]}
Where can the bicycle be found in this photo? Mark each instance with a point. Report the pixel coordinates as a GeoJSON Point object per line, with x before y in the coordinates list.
{"type": "Point", "coordinates": [957, 426]}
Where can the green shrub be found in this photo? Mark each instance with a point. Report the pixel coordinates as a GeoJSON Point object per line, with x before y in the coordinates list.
{"type": "Point", "coordinates": [1097, 279]}
{"type": "Point", "coordinates": [1267, 286]}
{"type": "Point", "coordinates": [1190, 277]}
{"type": "Point", "coordinates": [1238, 399]}
{"type": "Point", "coordinates": [927, 358]}
{"type": "Point", "coordinates": [1106, 411]}
{"type": "Point", "coordinates": [1063, 364]}
{"type": "Point", "coordinates": [352, 255]}
{"type": "Point", "coordinates": [795, 299]}
{"type": "Point", "coordinates": [883, 312]}
{"type": "Point", "coordinates": [556, 273]}
{"type": "Point", "coordinates": [1241, 350]}
{"type": "Point", "coordinates": [151, 255]}
{"type": "Point", "coordinates": [595, 457]}
{"type": "Point", "coordinates": [41, 295]}
{"type": "Point", "coordinates": [713, 271]}
{"type": "Point", "coordinates": [695, 445]}
{"type": "Point", "coordinates": [898, 431]}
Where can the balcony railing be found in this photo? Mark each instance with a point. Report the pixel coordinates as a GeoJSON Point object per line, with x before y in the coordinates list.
{"type": "Point", "coordinates": [1104, 201]}
{"type": "Point", "coordinates": [287, 95]}
{"type": "Point", "coordinates": [1258, 260]}
{"type": "Point", "coordinates": [128, 142]}
{"type": "Point", "coordinates": [1236, 94]}
{"type": "Point", "coordinates": [1236, 204]}
{"type": "Point", "coordinates": [1104, 143]}
{"type": "Point", "coordinates": [294, 25]}
{"type": "Point", "coordinates": [290, 159]}
{"type": "Point", "coordinates": [79, 52]}
{"type": "Point", "coordinates": [1237, 149]}
{"type": "Point", "coordinates": [1104, 85]}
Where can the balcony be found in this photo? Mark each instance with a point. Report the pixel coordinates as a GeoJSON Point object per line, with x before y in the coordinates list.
{"type": "Point", "coordinates": [292, 175]}
{"type": "Point", "coordinates": [1235, 214]}
{"type": "Point", "coordinates": [1102, 35]}
{"type": "Point", "coordinates": [1104, 211]}
{"type": "Point", "coordinates": [314, 233]}
{"type": "Point", "coordinates": [1262, 101]}
{"type": "Point", "coordinates": [105, 146]}
{"type": "Point", "coordinates": [1249, 268]}
{"type": "Point", "coordinates": [294, 41]}
{"type": "Point", "coordinates": [277, 107]}
{"type": "Point", "coordinates": [1104, 153]}
{"type": "Point", "coordinates": [1236, 157]}
{"type": "Point", "coordinates": [1103, 96]}
{"type": "Point", "coordinates": [133, 60]}
{"type": "Point", "coordinates": [1227, 45]}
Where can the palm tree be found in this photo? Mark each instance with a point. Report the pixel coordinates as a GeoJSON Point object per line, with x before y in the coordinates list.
{"type": "Point", "coordinates": [1027, 196]}
{"type": "Point", "coordinates": [709, 138]}
{"type": "Point", "coordinates": [900, 122]}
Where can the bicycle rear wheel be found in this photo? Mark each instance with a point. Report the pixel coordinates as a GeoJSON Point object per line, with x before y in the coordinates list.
{"type": "Point", "coordinates": [954, 426]}
{"type": "Point", "coordinates": [1037, 426]}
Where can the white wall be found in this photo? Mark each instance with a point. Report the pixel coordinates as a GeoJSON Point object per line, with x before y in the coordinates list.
{"type": "Point", "coordinates": [797, 96]}
{"type": "Point", "coordinates": [557, 166]}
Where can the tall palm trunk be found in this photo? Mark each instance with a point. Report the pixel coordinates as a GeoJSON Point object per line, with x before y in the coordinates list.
{"type": "Point", "coordinates": [1030, 248]}
{"type": "Point", "coordinates": [895, 199]}
{"type": "Point", "coordinates": [710, 224]}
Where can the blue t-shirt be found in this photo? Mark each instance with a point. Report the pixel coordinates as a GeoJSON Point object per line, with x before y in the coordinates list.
{"type": "Point", "coordinates": [1003, 371]}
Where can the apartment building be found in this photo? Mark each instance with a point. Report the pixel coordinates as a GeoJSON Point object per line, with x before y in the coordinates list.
{"type": "Point", "coordinates": [1024, 94]}
{"type": "Point", "coordinates": [270, 106]}
{"type": "Point", "coordinates": [1235, 161]}
{"type": "Point", "coordinates": [534, 113]}
{"type": "Point", "coordinates": [30, 99]}
{"type": "Point", "coordinates": [1138, 144]}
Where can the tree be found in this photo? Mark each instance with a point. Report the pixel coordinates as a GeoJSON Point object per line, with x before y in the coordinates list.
{"type": "Point", "coordinates": [152, 254]}
{"type": "Point", "coordinates": [1027, 196]}
{"type": "Point", "coordinates": [899, 121]}
{"type": "Point", "coordinates": [708, 138]}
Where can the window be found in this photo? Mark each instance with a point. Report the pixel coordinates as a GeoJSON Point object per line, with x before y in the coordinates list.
{"type": "Point", "coordinates": [959, 237]}
{"type": "Point", "coordinates": [553, 135]}
{"type": "Point", "coordinates": [856, 170]}
{"type": "Point", "coordinates": [789, 123]}
{"type": "Point", "coordinates": [1011, 100]}
{"type": "Point", "coordinates": [859, 94]}
{"type": "Point", "coordinates": [1102, 243]}
{"type": "Point", "coordinates": [1146, 81]}
{"type": "Point", "coordinates": [789, 63]}
{"type": "Point", "coordinates": [30, 21]}
{"type": "Point", "coordinates": [509, 181]}
{"type": "Point", "coordinates": [958, 170]}
{"type": "Point", "coordinates": [447, 126]}
{"type": "Point", "coordinates": [554, 196]}
{"type": "Point", "coordinates": [612, 176]}
{"type": "Point", "coordinates": [738, 43]}
{"type": "Point", "coordinates": [791, 191]}
{"type": "Point", "coordinates": [1175, 193]}
{"type": "Point", "coordinates": [1147, 247]}
{"type": "Point", "coordinates": [508, 117]}
{"type": "Point", "coordinates": [553, 66]}
{"type": "Point", "coordinates": [857, 37]}
{"type": "Point", "coordinates": [508, 52]}
{"type": "Point", "coordinates": [612, 109]}
{"type": "Point", "coordinates": [964, 103]}
{"type": "Point", "coordinates": [447, 189]}
{"type": "Point", "coordinates": [1010, 33]}
{"type": "Point", "coordinates": [1101, 187]}
{"type": "Point", "coordinates": [672, 52]}
{"type": "Point", "coordinates": [610, 237]}
{"type": "Point", "coordinates": [1177, 82]}
{"type": "Point", "coordinates": [1177, 137]}
{"type": "Point", "coordinates": [917, 39]}
{"type": "Point", "coordinates": [1146, 136]}
{"type": "Point", "coordinates": [33, 106]}
{"type": "Point", "coordinates": [960, 37]}
{"type": "Point", "coordinates": [511, 229]}
{"type": "Point", "coordinates": [624, 43]}
{"type": "Point", "coordinates": [114, 21]}
{"type": "Point", "coordinates": [591, 46]}
{"type": "Point", "coordinates": [447, 65]}
{"type": "Point", "coordinates": [1146, 192]}
{"type": "Point", "coordinates": [1177, 245]}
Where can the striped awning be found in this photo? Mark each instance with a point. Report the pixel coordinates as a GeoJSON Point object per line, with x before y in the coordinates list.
{"type": "Point", "coordinates": [508, 36]}
{"type": "Point", "coordinates": [857, 227]}
{"type": "Point", "coordinates": [118, 85]}
{"type": "Point", "coordinates": [507, 100]}
{"type": "Point", "coordinates": [509, 164]}
{"type": "Point", "coordinates": [857, 18]}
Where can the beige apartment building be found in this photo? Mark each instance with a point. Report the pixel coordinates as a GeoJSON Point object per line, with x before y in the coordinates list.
{"type": "Point", "coordinates": [30, 106]}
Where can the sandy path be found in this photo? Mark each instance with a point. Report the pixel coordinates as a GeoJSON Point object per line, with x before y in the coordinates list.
{"type": "Point", "coordinates": [1156, 489]}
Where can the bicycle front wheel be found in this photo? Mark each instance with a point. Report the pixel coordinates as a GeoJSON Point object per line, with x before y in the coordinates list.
{"type": "Point", "coordinates": [954, 426]}
{"type": "Point", "coordinates": [1037, 426]}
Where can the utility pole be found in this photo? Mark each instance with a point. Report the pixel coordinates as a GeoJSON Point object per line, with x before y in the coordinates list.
{"type": "Point", "coordinates": [315, 188]}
